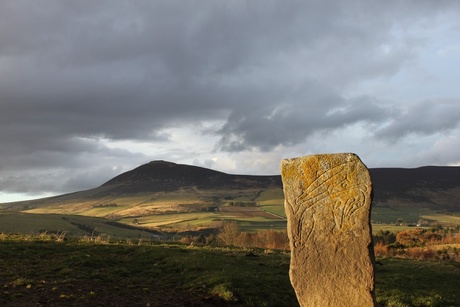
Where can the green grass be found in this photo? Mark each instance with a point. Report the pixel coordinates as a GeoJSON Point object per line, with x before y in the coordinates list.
{"type": "Point", "coordinates": [43, 272]}
{"type": "Point", "coordinates": [447, 219]}
{"type": "Point", "coordinates": [402, 282]}
{"type": "Point", "coordinates": [271, 196]}
{"type": "Point", "coordinates": [174, 220]}
{"type": "Point", "coordinates": [275, 209]}
{"type": "Point", "coordinates": [75, 225]}
{"type": "Point", "coordinates": [101, 212]}
{"type": "Point", "coordinates": [50, 273]}
{"type": "Point", "coordinates": [389, 215]}
{"type": "Point", "coordinates": [392, 228]}
{"type": "Point", "coordinates": [253, 225]}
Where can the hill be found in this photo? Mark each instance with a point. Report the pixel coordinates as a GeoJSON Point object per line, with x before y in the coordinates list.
{"type": "Point", "coordinates": [164, 194]}
{"type": "Point", "coordinates": [434, 187]}
{"type": "Point", "coordinates": [167, 176]}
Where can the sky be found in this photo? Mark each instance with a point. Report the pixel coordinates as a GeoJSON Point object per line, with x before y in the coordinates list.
{"type": "Point", "coordinates": [91, 89]}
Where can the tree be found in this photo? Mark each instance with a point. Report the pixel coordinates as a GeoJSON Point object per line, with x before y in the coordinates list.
{"type": "Point", "coordinates": [229, 233]}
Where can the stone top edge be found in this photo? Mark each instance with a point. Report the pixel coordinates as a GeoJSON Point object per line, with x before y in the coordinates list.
{"type": "Point", "coordinates": [287, 160]}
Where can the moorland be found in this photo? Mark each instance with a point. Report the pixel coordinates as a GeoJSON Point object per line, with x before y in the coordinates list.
{"type": "Point", "coordinates": [44, 270]}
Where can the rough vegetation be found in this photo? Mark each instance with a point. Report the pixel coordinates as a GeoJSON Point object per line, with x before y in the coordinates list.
{"type": "Point", "coordinates": [435, 243]}
{"type": "Point", "coordinates": [54, 270]}
{"type": "Point", "coordinates": [42, 271]}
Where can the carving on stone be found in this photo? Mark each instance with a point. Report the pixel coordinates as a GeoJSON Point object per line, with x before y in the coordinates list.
{"type": "Point", "coordinates": [327, 203]}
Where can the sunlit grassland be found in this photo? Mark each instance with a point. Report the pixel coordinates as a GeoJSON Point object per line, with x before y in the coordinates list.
{"type": "Point", "coordinates": [274, 195]}
{"type": "Point", "coordinates": [262, 224]}
{"type": "Point", "coordinates": [119, 206]}
{"type": "Point", "coordinates": [72, 208]}
{"type": "Point", "coordinates": [448, 219]}
{"type": "Point", "coordinates": [182, 221]}
{"type": "Point", "coordinates": [275, 209]}
{"type": "Point", "coordinates": [101, 212]}
{"type": "Point", "coordinates": [272, 201]}
{"type": "Point", "coordinates": [177, 219]}
{"type": "Point", "coordinates": [392, 228]}
{"type": "Point", "coordinates": [176, 210]}
{"type": "Point", "coordinates": [386, 215]}
{"type": "Point", "coordinates": [389, 215]}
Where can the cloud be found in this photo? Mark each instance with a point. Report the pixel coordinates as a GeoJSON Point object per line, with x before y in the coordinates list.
{"type": "Point", "coordinates": [291, 123]}
{"type": "Point", "coordinates": [424, 118]}
{"type": "Point", "coordinates": [443, 152]}
{"type": "Point", "coordinates": [78, 77]}
{"type": "Point", "coordinates": [449, 50]}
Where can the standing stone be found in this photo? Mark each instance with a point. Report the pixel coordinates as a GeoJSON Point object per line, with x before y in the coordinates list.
{"type": "Point", "coordinates": [327, 202]}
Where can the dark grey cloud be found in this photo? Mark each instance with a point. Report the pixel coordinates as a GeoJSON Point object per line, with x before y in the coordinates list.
{"type": "Point", "coordinates": [274, 73]}
{"type": "Point", "coordinates": [424, 118]}
{"type": "Point", "coordinates": [293, 122]}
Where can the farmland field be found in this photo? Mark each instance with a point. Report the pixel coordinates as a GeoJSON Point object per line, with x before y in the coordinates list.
{"type": "Point", "coordinates": [189, 209]}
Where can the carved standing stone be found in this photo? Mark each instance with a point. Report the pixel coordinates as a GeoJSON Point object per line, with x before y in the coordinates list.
{"type": "Point", "coordinates": [328, 202]}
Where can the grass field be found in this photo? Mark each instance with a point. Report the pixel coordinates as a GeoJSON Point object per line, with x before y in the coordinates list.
{"type": "Point", "coordinates": [38, 272]}
{"type": "Point", "coordinates": [403, 282]}
{"type": "Point", "coordinates": [73, 225]}
{"type": "Point", "coordinates": [52, 274]}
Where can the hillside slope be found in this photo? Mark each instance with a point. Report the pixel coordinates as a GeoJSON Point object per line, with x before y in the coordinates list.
{"type": "Point", "coordinates": [433, 187]}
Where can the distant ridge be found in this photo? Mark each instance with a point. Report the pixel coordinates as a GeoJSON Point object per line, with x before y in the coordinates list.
{"type": "Point", "coordinates": [434, 187]}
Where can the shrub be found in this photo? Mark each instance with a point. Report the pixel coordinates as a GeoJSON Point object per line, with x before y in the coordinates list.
{"type": "Point", "coordinates": [380, 249]}
{"type": "Point", "coordinates": [410, 238]}
{"type": "Point", "coordinates": [229, 233]}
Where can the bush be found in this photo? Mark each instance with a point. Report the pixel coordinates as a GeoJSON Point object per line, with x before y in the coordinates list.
{"type": "Point", "coordinates": [385, 237]}
{"type": "Point", "coordinates": [229, 233]}
{"type": "Point", "coordinates": [270, 239]}
{"type": "Point", "coordinates": [410, 238]}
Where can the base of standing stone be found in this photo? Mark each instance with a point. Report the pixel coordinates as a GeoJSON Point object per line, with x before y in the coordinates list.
{"type": "Point", "coordinates": [328, 202]}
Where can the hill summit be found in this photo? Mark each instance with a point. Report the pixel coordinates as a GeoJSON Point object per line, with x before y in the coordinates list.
{"type": "Point", "coordinates": [160, 170]}
{"type": "Point", "coordinates": [161, 175]}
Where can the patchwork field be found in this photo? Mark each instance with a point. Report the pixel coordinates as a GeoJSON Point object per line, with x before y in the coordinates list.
{"type": "Point", "coordinates": [187, 210]}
